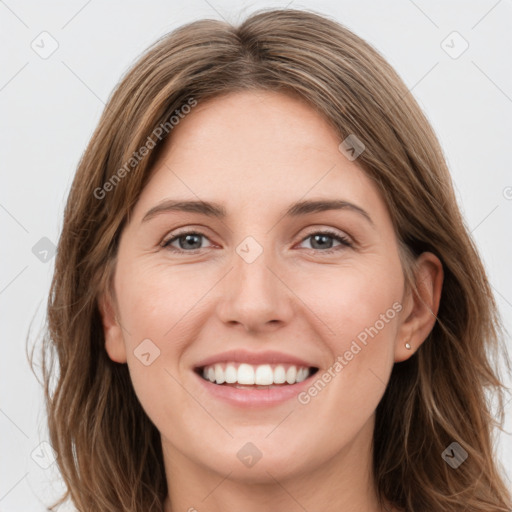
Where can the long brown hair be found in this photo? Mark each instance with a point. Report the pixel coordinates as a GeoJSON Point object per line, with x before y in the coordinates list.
{"type": "Point", "coordinates": [109, 452]}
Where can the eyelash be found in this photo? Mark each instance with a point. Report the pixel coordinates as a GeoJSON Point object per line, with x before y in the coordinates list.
{"type": "Point", "coordinates": [340, 238]}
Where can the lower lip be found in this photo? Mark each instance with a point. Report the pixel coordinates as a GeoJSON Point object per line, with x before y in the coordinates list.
{"type": "Point", "coordinates": [252, 398]}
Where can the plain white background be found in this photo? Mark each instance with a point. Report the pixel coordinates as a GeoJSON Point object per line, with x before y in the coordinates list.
{"type": "Point", "coordinates": [50, 105]}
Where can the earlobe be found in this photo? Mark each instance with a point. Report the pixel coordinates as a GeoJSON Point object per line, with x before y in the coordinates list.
{"type": "Point", "coordinates": [423, 306]}
{"type": "Point", "coordinates": [112, 331]}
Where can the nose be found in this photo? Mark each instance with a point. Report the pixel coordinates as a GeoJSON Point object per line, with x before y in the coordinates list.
{"type": "Point", "coordinates": [255, 294]}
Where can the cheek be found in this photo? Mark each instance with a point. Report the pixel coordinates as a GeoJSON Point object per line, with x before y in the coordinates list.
{"type": "Point", "coordinates": [153, 306]}
{"type": "Point", "coordinates": [157, 302]}
{"type": "Point", "coordinates": [358, 301]}
{"type": "Point", "coordinates": [359, 318]}
{"type": "Point", "coordinates": [360, 313]}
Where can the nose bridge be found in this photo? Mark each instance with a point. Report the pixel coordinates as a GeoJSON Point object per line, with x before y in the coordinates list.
{"type": "Point", "coordinates": [252, 277]}
{"type": "Point", "coordinates": [253, 294]}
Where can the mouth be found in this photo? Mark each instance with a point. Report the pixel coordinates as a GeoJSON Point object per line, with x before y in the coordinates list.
{"type": "Point", "coordinates": [255, 377]}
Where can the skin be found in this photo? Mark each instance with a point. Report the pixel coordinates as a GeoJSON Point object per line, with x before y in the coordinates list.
{"type": "Point", "coordinates": [293, 298]}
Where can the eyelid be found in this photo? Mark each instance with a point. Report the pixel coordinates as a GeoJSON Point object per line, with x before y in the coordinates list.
{"type": "Point", "coordinates": [328, 230]}
{"type": "Point", "coordinates": [172, 237]}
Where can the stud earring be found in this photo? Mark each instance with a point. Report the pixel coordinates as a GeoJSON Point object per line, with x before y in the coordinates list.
{"type": "Point", "coordinates": [407, 345]}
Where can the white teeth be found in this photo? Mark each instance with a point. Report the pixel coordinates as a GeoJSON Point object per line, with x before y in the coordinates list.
{"type": "Point", "coordinates": [264, 375]}
{"type": "Point", "coordinates": [259, 375]}
{"type": "Point", "coordinates": [230, 374]}
{"type": "Point", "coordinates": [219, 374]}
{"type": "Point", "coordinates": [301, 375]}
{"type": "Point", "coordinates": [245, 374]}
{"type": "Point", "coordinates": [291, 375]}
{"type": "Point", "coordinates": [279, 375]}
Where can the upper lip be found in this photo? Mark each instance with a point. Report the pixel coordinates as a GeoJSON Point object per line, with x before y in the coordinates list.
{"type": "Point", "coordinates": [243, 356]}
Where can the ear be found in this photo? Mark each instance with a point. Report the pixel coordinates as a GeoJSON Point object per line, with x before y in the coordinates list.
{"type": "Point", "coordinates": [113, 333]}
{"type": "Point", "coordinates": [421, 308]}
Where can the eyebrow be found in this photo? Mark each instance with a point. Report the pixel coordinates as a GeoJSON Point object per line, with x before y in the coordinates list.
{"type": "Point", "coordinates": [217, 210]}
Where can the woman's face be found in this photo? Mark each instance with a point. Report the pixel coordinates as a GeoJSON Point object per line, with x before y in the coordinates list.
{"type": "Point", "coordinates": [259, 290]}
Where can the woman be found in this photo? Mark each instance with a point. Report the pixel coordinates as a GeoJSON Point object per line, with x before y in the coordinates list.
{"type": "Point", "coordinates": [217, 376]}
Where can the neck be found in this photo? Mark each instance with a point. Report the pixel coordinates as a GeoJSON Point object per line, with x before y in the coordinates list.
{"type": "Point", "coordinates": [343, 482]}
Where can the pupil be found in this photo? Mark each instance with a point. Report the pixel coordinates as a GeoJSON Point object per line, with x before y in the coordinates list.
{"type": "Point", "coordinates": [321, 237]}
{"type": "Point", "coordinates": [189, 238]}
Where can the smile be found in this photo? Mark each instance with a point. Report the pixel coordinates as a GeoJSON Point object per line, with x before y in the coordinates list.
{"type": "Point", "coordinates": [243, 375]}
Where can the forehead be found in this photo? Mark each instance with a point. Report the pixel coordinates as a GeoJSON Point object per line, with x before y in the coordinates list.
{"type": "Point", "coordinates": [244, 121]}
{"type": "Point", "coordinates": [254, 148]}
